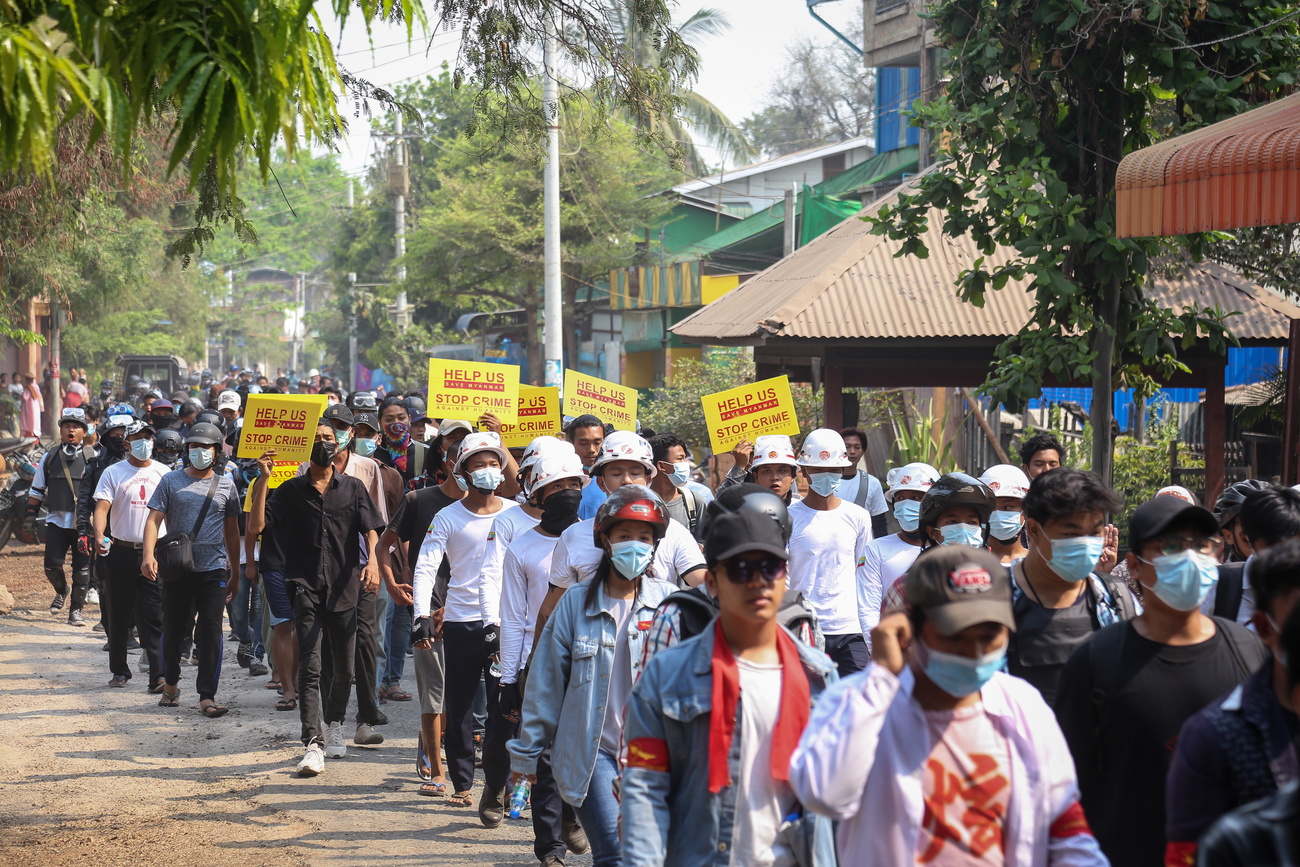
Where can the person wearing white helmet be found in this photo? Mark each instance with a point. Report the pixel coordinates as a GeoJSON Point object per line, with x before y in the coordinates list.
{"type": "Point", "coordinates": [625, 459]}
{"type": "Point", "coordinates": [887, 558]}
{"type": "Point", "coordinates": [828, 552]}
{"type": "Point", "coordinates": [460, 534]}
{"type": "Point", "coordinates": [1009, 485]}
{"type": "Point", "coordinates": [769, 462]}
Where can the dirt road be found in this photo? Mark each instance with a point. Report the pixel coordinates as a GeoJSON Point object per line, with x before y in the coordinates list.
{"type": "Point", "coordinates": [93, 775]}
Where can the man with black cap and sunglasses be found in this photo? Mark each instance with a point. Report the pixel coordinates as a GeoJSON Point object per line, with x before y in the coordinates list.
{"type": "Point", "coordinates": [712, 722]}
{"type": "Point", "coordinates": [932, 754]}
{"type": "Point", "coordinates": [1123, 697]}
{"type": "Point", "coordinates": [58, 481]}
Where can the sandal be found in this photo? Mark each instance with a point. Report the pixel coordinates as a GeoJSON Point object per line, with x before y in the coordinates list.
{"type": "Point", "coordinates": [396, 693]}
{"type": "Point", "coordinates": [157, 687]}
{"type": "Point", "coordinates": [170, 699]}
{"type": "Point", "coordinates": [433, 790]}
{"type": "Point", "coordinates": [273, 684]}
{"type": "Point", "coordinates": [462, 799]}
{"type": "Point", "coordinates": [287, 704]}
{"type": "Point", "coordinates": [423, 769]}
{"type": "Point", "coordinates": [212, 710]}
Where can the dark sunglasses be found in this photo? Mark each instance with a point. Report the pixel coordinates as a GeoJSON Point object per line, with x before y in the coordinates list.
{"type": "Point", "coordinates": [742, 571]}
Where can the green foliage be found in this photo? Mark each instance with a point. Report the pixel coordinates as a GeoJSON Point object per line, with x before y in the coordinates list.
{"type": "Point", "coordinates": [914, 441]}
{"type": "Point", "coordinates": [1141, 469]}
{"type": "Point", "coordinates": [1042, 99]}
{"type": "Point", "coordinates": [404, 355]}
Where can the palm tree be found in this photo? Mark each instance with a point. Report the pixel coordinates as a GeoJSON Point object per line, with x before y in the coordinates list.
{"type": "Point", "coordinates": [697, 116]}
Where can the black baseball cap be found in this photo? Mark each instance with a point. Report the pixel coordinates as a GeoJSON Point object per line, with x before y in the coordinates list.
{"type": "Point", "coordinates": [339, 413]}
{"type": "Point", "coordinates": [1154, 517]}
{"type": "Point", "coordinates": [369, 419]}
{"type": "Point", "coordinates": [741, 532]}
{"type": "Point", "coordinates": [958, 587]}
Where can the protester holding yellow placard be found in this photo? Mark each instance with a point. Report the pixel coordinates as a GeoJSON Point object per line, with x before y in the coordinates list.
{"type": "Point", "coordinates": [469, 389]}
{"type": "Point", "coordinates": [612, 403]}
{"type": "Point", "coordinates": [748, 412]}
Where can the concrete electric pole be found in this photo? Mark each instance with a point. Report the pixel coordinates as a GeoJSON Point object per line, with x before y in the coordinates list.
{"type": "Point", "coordinates": [553, 336]}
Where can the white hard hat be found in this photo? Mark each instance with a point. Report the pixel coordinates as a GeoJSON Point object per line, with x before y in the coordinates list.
{"type": "Point", "coordinates": [485, 441]}
{"type": "Point", "coordinates": [910, 477]}
{"type": "Point", "coordinates": [553, 468]}
{"type": "Point", "coordinates": [313, 372]}
{"type": "Point", "coordinates": [824, 448]}
{"type": "Point", "coordinates": [1178, 491]}
{"type": "Point", "coordinates": [623, 445]}
{"type": "Point", "coordinates": [773, 449]}
{"type": "Point", "coordinates": [1006, 481]}
{"type": "Point", "coordinates": [544, 446]}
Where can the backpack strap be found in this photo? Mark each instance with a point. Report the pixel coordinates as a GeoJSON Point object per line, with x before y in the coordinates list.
{"type": "Point", "coordinates": [692, 509]}
{"type": "Point", "coordinates": [1105, 658]}
{"type": "Point", "coordinates": [864, 488]}
{"type": "Point", "coordinates": [697, 610]}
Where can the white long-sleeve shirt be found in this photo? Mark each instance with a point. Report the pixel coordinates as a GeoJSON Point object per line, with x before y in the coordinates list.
{"type": "Point", "coordinates": [508, 526]}
{"type": "Point", "coordinates": [462, 537]}
{"type": "Point", "coordinates": [525, 580]}
{"type": "Point", "coordinates": [861, 758]}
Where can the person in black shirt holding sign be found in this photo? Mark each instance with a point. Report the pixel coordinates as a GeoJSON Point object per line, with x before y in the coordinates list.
{"type": "Point", "coordinates": [323, 514]}
{"type": "Point", "coordinates": [1123, 697]}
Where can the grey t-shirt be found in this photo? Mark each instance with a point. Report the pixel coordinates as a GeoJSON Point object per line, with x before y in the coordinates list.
{"type": "Point", "coordinates": [180, 497]}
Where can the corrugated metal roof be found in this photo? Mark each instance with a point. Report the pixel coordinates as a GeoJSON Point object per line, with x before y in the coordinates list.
{"type": "Point", "coordinates": [1243, 171]}
{"type": "Point", "coordinates": [848, 284]}
{"type": "Point", "coordinates": [793, 159]}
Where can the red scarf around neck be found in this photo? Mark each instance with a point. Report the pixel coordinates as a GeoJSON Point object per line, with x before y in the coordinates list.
{"type": "Point", "coordinates": [796, 699]}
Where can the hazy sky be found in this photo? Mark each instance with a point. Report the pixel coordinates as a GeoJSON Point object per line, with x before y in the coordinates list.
{"type": "Point", "coordinates": [736, 68]}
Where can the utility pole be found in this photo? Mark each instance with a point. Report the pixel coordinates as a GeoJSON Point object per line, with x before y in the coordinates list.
{"type": "Point", "coordinates": [403, 187]}
{"type": "Point", "coordinates": [553, 339]}
{"type": "Point", "coordinates": [352, 328]}
{"type": "Point", "coordinates": [787, 246]}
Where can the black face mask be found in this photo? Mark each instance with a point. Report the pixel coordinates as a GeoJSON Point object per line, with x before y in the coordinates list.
{"type": "Point", "coordinates": [161, 421]}
{"type": "Point", "coordinates": [322, 453]}
{"type": "Point", "coordinates": [560, 511]}
{"type": "Point", "coordinates": [115, 446]}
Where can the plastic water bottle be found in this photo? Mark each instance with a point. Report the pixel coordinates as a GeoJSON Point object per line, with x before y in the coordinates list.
{"type": "Point", "coordinates": [519, 799]}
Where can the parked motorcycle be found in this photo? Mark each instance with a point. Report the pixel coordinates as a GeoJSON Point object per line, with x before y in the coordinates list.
{"type": "Point", "coordinates": [14, 521]}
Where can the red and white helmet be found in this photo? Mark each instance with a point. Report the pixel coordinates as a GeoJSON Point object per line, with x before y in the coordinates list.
{"type": "Point", "coordinates": [1006, 481]}
{"type": "Point", "coordinates": [623, 445]}
{"type": "Point", "coordinates": [554, 468]}
{"type": "Point", "coordinates": [824, 448]}
{"type": "Point", "coordinates": [773, 449]}
{"type": "Point", "coordinates": [483, 441]}
{"type": "Point", "coordinates": [543, 447]}
{"type": "Point", "coordinates": [631, 503]}
{"type": "Point", "coordinates": [910, 477]}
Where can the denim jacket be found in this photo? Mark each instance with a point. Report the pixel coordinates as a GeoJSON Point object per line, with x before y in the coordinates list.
{"type": "Point", "coordinates": [672, 817]}
{"type": "Point", "coordinates": [568, 684]}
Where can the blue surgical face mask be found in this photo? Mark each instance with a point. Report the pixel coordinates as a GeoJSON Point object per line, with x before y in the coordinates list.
{"type": "Point", "coordinates": [681, 474]}
{"type": "Point", "coordinates": [141, 450]}
{"type": "Point", "coordinates": [1005, 526]}
{"type": "Point", "coordinates": [487, 479]}
{"type": "Point", "coordinates": [201, 459]}
{"type": "Point", "coordinates": [1073, 559]}
{"type": "Point", "coordinates": [970, 535]}
{"type": "Point", "coordinates": [825, 484]}
{"type": "Point", "coordinates": [344, 437]}
{"type": "Point", "coordinates": [1183, 580]}
{"type": "Point", "coordinates": [366, 447]}
{"type": "Point", "coordinates": [908, 514]}
{"type": "Point", "coordinates": [958, 675]}
{"type": "Point", "coordinates": [631, 558]}
{"type": "Point", "coordinates": [460, 481]}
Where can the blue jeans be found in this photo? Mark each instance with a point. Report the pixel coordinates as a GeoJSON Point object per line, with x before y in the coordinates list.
{"type": "Point", "coordinates": [599, 814]}
{"type": "Point", "coordinates": [399, 637]}
{"type": "Point", "coordinates": [383, 611]}
{"type": "Point", "coordinates": [246, 617]}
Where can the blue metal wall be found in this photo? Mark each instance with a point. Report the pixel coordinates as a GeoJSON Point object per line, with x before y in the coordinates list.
{"type": "Point", "coordinates": [897, 87]}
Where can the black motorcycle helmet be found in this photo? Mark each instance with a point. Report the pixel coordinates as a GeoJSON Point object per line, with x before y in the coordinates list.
{"type": "Point", "coordinates": [957, 489]}
{"type": "Point", "coordinates": [204, 434]}
{"type": "Point", "coordinates": [168, 440]}
{"type": "Point", "coordinates": [414, 405]}
{"type": "Point", "coordinates": [1228, 506]}
{"type": "Point", "coordinates": [211, 416]}
{"type": "Point", "coordinates": [748, 497]}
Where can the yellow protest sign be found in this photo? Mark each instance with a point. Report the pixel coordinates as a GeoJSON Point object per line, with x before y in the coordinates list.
{"type": "Point", "coordinates": [611, 403]}
{"type": "Point", "coordinates": [750, 411]}
{"type": "Point", "coordinates": [284, 422]}
{"type": "Point", "coordinates": [284, 470]}
{"type": "Point", "coordinates": [467, 389]}
{"type": "Point", "coordinates": [539, 415]}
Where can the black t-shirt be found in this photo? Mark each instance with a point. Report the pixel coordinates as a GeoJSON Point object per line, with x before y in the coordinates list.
{"type": "Point", "coordinates": [1123, 736]}
{"type": "Point", "coordinates": [412, 521]}
{"type": "Point", "coordinates": [1045, 638]}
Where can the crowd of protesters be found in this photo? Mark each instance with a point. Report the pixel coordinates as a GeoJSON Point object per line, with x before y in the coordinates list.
{"type": "Point", "coordinates": [805, 667]}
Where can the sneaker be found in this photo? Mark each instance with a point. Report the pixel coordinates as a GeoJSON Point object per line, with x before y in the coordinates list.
{"type": "Point", "coordinates": [118, 680]}
{"type": "Point", "coordinates": [142, 664]}
{"type": "Point", "coordinates": [367, 736]}
{"type": "Point", "coordinates": [575, 839]}
{"type": "Point", "coordinates": [57, 605]}
{"type": "Point", "coordinates": [335, 746]}
{"type": "Point", "coordinates": [105, 647]}
{"type": "Point", "coordinates": [313, 761]}
{"type": "Point", "coordinates": [244, 654]}
{"type": "Point", "coordinates": [75, 618]}
{"type": "Point", "coordinates": [257, 668]}
{"type": "Point", "coordinates": [92, 596]}
{"type": "Point", "coordinates": [234, 636]}
{"type": "Point", "coordinates": [100, 627]}
{"type": "Point", "coordinates": [553, 861]}
{"type": "Point", "coordinates": [192, 659]}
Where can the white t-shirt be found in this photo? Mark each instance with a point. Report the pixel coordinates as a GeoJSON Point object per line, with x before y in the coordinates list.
{"type": "Point", "coordinates": [886, 560]}
{"type": "Point", "coordinates": [826, 556]}
{"type": "Point", "coordinates": [128, 488]}
{"type": "Point", "coordinates": [525, 580]}
{"type": "Point", "coordinates": [508, 526]}
{"type": "Point", "coordinates": [875, 503]}
{"type": "Point", "coordinates": [762, 802]}
{"type": "Point", "coordinates": [576, 556]}
{"type": "Point", "coordinates": [462, 537]}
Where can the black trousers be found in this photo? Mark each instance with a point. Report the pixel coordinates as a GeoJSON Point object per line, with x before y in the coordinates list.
{"type": "Point", "coordinates": [315, 626]}
{"type": "Point", "coordinates": [139, 601]}
{"type": "Point", "coordinates": [849, 652]}
{"type": "Point", "coordinates": [204, 593]}
{"type": "Point", "coordinates": [58, 542]}
{"type": "Point", "coordinates": [466, 661]}
{"type": "Point", "coordinates": [365, 662]}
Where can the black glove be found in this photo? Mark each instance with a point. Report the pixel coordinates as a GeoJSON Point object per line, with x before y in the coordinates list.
{"type": "Point", "coordinates": [422, 630]}
{"type": "Point", "coordinates": [510, 701]}
{"type": "Point", "coordinates": [32, 508]}
{"type": "Point", "coordinates": [492, 639]}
